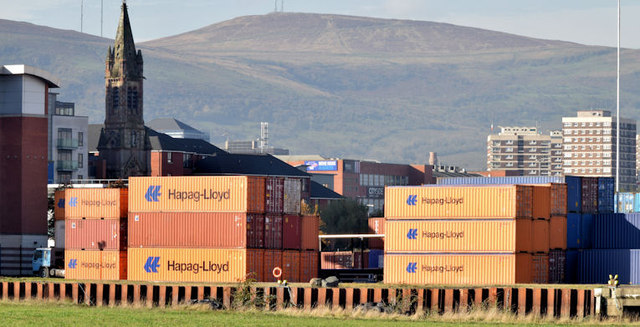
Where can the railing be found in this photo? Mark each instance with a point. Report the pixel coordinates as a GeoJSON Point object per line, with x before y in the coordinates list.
{"type": "Point", "coordinates": [67, 143]}
{"type": "Point", "coordinates": [67, 165]}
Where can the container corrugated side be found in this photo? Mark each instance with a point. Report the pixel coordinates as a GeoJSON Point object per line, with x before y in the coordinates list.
{"type": "Point", "coordinates": [540, 238]}
{"type": "Point", "coordinates": [558, 232]}
{"type": "Point", "coordinates": [58, 230]}
{"type": "Point", "coordinates": [557, 262]}
{"type": "Point", "coordinates": [606, 191]}
{"type": "Point", "coordinates": [273, 231]}
{"type": "Point", "coordinates": [376, 258]}
{"type": "Point", "coordinates": [96, 234]}
{"type": "Point", "coordinates": [59, 203]}
{"type": "Point", "coordinates": [460, 202]}
{"type": "Point", "coordinates": [540, 268]}
{"type": "Point", "coordinates": [360, 258]}
{"type": "Point", "coordinates": [376, 226]}
{"type": "Point", "coordinates": [500, 180]}
{"type": "Point", "coordinates": [542, 201]}
{"type": "Point", "coordinates": [291, 265]}
{"type": "Point", "coordinates": [589, 195]}
{"type": "Point", "coordinates": [292, 195]}
{"type": "Point", "coordinates": [95, 265]}
{"type": "Point", "coordinates": [310, 228]}
{"type": "Point", "coordinates": [197, 194]}
{"type": "Point", "coordinates": [508, 235]}
{"type": "Point", "coordinates": [574, 193]}
{"type": "Point", "coordinates": [194, 229]}
{"type": "Point", "coordinates": [616, 231]}
{"type": "Point", "coordinates": [291, 232]}
{"type": "Point", "coordinates": [574, 231]}
{"type": "Point", "coordinates": [308, 265]}
{"type": "Point", "coordinates": [457, 269]}
{"type": "Point", "coordinates": [96, 203]}
{"type": "Point", "coordinates": [572, 261]}
{"type": "Point", "coordinates": [272, 259]}
{"type": "Point", "coordinates": [336, 260]}
{"type": "Point", "coordinates": [586, 230]}
{"type": "Point", "coordinates": [274, 195]}
{"type": "Point", "coordinates": [558, 199]}
{"type": "Point", "coordinates": [595, 265]}
{"type": "Point", "coordinates": [190, 265]}
{"type": "Point", "coordinates": [624, 202]}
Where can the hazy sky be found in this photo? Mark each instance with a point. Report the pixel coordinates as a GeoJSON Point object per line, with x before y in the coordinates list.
{"type": "Point", "coordinates": [590, 22]}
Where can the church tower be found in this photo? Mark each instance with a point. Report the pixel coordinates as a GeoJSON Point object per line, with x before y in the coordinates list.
{"type": "Point", "coordinates": [124, 142]}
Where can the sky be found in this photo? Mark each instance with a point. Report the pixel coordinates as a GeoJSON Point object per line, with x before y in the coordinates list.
{"type": "Point", "coordinates": [591, 22]}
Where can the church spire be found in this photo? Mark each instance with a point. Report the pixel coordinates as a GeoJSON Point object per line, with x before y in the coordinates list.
{"type": "Point", "coordinates": [127, 63]}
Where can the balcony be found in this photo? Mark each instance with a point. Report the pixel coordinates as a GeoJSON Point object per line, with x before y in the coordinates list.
{"type": "Point", "coordinates": [66, 165]}
{"type": "Point", "coordinates": [67, 144]}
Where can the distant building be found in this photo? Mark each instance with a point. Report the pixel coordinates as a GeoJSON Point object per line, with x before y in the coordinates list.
{"type": "Point", "coordinates": [67, 138]}
{"type": "Point", "coordinates": [590, 146]}
{"type": "Point", "coordinates": [176, 129]}
{"type": "Point", "coordinates": [252, 147]}
{"type": "Point", "coordinates": [525, 151]}
{"type": "Point", "coordinates": [24, 94]}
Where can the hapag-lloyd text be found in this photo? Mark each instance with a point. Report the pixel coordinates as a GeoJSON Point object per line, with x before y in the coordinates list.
{"type": "Point", "coordinates": [196, 196]}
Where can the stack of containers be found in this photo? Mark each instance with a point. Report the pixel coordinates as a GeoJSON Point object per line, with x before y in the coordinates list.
{"type": "Point", "coordinates": [470, 235]}
{"type": "Point", "coordinates": [95, 233]}
{"type": "Point", "coordinates": [376, 245]}
{"type": "Point", "coordinates": [58, 216]}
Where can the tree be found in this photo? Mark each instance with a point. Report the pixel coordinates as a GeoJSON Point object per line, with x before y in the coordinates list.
{"type": "Point", "coordinates": [344, 217]}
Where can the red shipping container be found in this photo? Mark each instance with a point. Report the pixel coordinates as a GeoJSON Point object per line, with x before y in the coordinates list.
{"type": "Point", "coordinates": [272, 259]}
{"type": "Point", "coordinates": [540, 268]}
{"type": "Point", "coordinates": [376, 226]}
{"type": "Point", "coordinates": [195, 230]}
{"type": "Point", "coordinates": [308, 265]}
{"type": "Point", "coordinates": [360, 259]}
{"type": "Point", "coordinates": [589, 195]}
{"type": "Point", "coordinates": [274, 195]}
{"type": "Point", "coordinates": [95, 234]}
{"type": "Point", "coordinates": [310, 229]}
{"type": "Point", "coordinates": [540, 236]}
{"type": "Point", "coordinates": [291, 232]}
{"type": "Point", "coordinates": [557, 261]}
{"type": "Point", "coordinates": [291, 265]}
{"type": "Point", "coordinates": [273, 231]}
{"type": "Point", "coordinates": [336, 260]}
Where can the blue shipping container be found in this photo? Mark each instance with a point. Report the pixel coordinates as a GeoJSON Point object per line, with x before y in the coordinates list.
{"type": "Point", "coordinates": [596, 265]}
{"type": "Point", "coordinates": [606, 191]}
{"type": "Point", "coordinates": [586, 228]}
{"type": "Point", "coordinates": [500, 180]}
{"type": "Point", "coordinates": [636, 203]}
{"type": "Point", "coordinates": [616, 231]}
{"type": "Point", "coordinates": [574, 193]}
{"type": "Point", "coordinates": [376, 258]}
{"type": "Point", "coordinates": [574, 230]}
{"type": "Point", "coordinates": [624, 202]}
{"type": "Point", "coordinates": [571, 267]}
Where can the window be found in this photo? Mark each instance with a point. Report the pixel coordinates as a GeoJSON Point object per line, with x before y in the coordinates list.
{"type": "Point", "coordinates": [80, 177]}
{"type": "Point", "coordinates": [115, 96]}
{"type": "Point", "coordinates": [80, 139]}
{"type": "Point", "coordinates": [132, 98]}
{"type": "Point", "coordinates": [80, 160]}
{"type": "Point", "coordinates": [169, 157]}
{"type": "Point", "coordinates": [133, 139]}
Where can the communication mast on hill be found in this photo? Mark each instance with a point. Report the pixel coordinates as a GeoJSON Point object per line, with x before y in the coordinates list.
{"type": "Point", "coordinates": [275, 6]}
{"type": "Point", "coordinates": [264, 136]}
{"type": "Point", "coordinates": [81, 13]}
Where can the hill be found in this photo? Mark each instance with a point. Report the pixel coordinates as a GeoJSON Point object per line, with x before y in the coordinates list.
{"type": "Point", "coordinates": [343, 86]}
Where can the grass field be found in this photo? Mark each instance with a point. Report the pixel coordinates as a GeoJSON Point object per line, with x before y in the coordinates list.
{"type": "Point", "coordinates": [60, 314]}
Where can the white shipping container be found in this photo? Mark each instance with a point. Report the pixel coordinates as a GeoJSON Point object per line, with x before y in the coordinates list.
{"type": "Point", "coordinates": [59, 233]}
{"type": "Point", "coordinates": [292, 195]}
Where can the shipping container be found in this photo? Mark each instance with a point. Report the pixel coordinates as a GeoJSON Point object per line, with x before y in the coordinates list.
{"type": "Point", "coordinates": [310, 228]}
{"type": "Point", "coordinates": [579, 230]}
{"type": "Point", "coordinates": [457, 269]}
{"type": "Point", "coordinates": [482, 235]}
{"type": "Point", "coordinates": [606, 191]}
{"type": "Point", "coordinates": [291, 265]}
{"type": "Point", "coordinates": [376, 258]}
{"type": "Point", "coordinates": [590, 194]}
{"type": "Point", "coordinates": [197, 194]}
{"type": "Point", "coordinates": [96, 234]}
{"type": "Point", "coordinates": [58, 229]}
{"type": "Point", "coordinates": [596, 265]}
{"type": "Point", "coordinates": [291, 232]}
{"type": "Point", "coordinates": [376, 226]}
{"type": "Point", "coordinates": [557, 262]}
{"type": "Point", "coordinates": [59, 203]}
{"type": "Point", "coordinates": [95, 265]}
{"type": "Point", "coordinates": [274, 195]}
{"type": "Point", "coordinates": [96, 203]}
{"type": "Point", "coordinates": [540, 271]}
{"type": "Point", "coordinates": [616, 231]}
{"type": "Point", "coordinates": [558, 232]}
{"type": "Point", "coordinates": [572, 261]}
{"type": "Point", "coordinates": [360, 258]}
{"type": "Point", "coordinates": [540, 238]}
{"type": "Point", "coordinates": [336, 260]}
{"type": "Point", "coordinates": [558, 199]}
{"type": "Point", "coordinates": [542, 201]}
{"type": "Point", "coordinates": [308, 265]}
{"type": "Point", "coordinates": [460, 202]}
{"type": "Point", "coordinates": [574, 193]}
{"type": "Point", "coordinates": [192, 265]}
{"type": "Point", "coordinates": [273, 231]}
{"type": "Point", "coordinates": [196, 230]}
{"type": "Point", "coordinates": [272, 259]}
{"type": "Point", "coordinates": [586, 230]}
{"type": "Point", "coordinates": [292, 195]}
{"type": "Point", "coordinates": [500, 180]}
{"type": "Point", "coordinates": [624, 202]}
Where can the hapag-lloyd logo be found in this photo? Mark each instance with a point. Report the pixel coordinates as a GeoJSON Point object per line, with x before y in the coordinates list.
{"type": "Point", "coordinates": [412, 200]}
{"type": "Point", "coordinates": [153, 194]}
{"type": "Point", "coordinates": [412, 268]}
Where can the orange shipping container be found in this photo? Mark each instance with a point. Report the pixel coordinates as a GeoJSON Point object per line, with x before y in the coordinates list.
{"type": "Point", "coordinates": [195, 230]}
{"type": "Point", "coordinates": [310, 228]}
{"type": "Point", "coordinates": [197, 194]}
{"type": "Point", "coordinates": [457, 269]}
{"type": "Point", "coordinates": [542, 201]}
{"type": "Point", "coordinates": [308, 265]}
{"type": "Point", "coordinates": [376, 226]}
{"type": "Point", "coordinates": [460, 202]}
{"type": "Point", "coordinates": [95, 265]}
{"type": "Point", "coordinates": [505, 235]}
{"type": "Point", "coordinates": [96, 234]}
{"type": "Point", "coordinates": [558, 232]}
{"type": "Point", "coordinates": [192, 265]}
{"type": "Point", "coordinates": [540, 271]}
{"type": "Point", "coordinates": [272, 259]}
{"type": "Point", "coordinates": [540, 236]}
{"type": "Point", "coordinates": [96, 203]}
{"type": "Point", "coordinates": [58, 210]}
{"type": "Point", "coordinates": [291, 265]}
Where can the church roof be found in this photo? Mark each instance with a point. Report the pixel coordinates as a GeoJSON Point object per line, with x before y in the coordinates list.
{"type": "Point", "coordinates": [318, 191]}
{"type": "Point", "coordinates": [170, 124]}
{"type": "Point", "coordinates": [246, 164]}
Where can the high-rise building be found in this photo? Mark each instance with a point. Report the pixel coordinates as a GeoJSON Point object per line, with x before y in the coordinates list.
{"type": "Point", "coordinates": [124, 143]}
{"type": "Point", "coordinates": [524, 150]}
{"type": "Point", "coordinates": [590, 146]}
{"type": "Point", "coordinates": [67, 142]}
{"type": "Point", "coordinates": [23, 165]}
